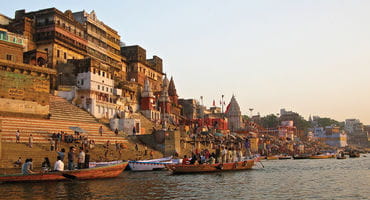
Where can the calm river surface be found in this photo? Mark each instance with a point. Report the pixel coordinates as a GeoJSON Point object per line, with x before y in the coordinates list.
{"type": "Point", "coordinates": [280, 179]}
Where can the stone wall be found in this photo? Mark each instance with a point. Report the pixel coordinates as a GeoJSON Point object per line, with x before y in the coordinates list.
{"type": "Point", "coordinates": [23, 93]}
{"type": "Point", "coordinates": [172, 143]}
{"type": "Point", "coordinates": [11, 52]}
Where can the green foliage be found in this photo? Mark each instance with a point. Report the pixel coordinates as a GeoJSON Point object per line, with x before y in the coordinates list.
{"type": "Point", "coordinates": [322, 122]}
{"type": "Point", "coordinates": [270, 121]}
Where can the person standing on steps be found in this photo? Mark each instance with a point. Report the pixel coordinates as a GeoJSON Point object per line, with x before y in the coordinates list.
{"type": "Point", "coordinates": [81, 159]}
{"type": "Point", "coordinates": [71, 156]}
{"type": "Point", "coordinates": [17, 136]}
{"type": "Point", "coordinates": [30, 141]}
{"type": "Point", "coordinates": [101, 130]}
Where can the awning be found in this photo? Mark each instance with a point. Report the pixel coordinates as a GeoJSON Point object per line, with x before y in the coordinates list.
{"type": "Point", "coordinates": [77, 129]}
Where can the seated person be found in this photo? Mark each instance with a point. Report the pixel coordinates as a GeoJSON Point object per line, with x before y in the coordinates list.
{"type": "Point", "coordinates": [59, 165]}
{"type": "Point", "coordinates": [18, 163]}
{"type": "Point", "coordinates": [27, 167]}
{"type": "Point", "coordinates": [45, 165]}
{"type": "Point", "coordinates": [185, 160]}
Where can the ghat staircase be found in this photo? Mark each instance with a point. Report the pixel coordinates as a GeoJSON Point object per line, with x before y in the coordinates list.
{"type": "Point", "coordinates": [63, 116]}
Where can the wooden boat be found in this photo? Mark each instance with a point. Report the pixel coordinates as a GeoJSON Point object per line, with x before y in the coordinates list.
{"type": "Point", "coordinates": [354, 154]}
{"type": "Point", "coordinates": [301, 156]}
{"type": "Point", "coordinates": [284, 157]}
{"type": "Point", "coordinates": [322, 156]}
{"type": "Point", "coordinates": [219, 167]}
{"type": "Point", "coordinates": [276, 157]}
{"type": "Point", "coordinates": [80, 174]}
{"type": "Point", "coordinates": [151, 165]}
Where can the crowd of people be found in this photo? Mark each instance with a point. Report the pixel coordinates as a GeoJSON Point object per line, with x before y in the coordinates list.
{"type": "Point", "coordinates": [75, 160]}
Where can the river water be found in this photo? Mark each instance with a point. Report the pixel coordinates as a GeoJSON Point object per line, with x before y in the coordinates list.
{"type": "Point", "coordinates": [279, 179]}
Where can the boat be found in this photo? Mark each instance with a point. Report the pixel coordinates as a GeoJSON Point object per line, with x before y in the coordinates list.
{"type": "Point", "coordinates": [284, 157]}
{"type": "Point", "coordinates": [354, 154]}
{"type": "Point", "coordinates": [341, 155]}
{"type": "Point", "coordinates": [203, 168]}
{"type": "Point", "coordinates": [322, 156]}
{"type": "Point", "coordinates": [101, 164]}
{"type": "Point", "coordinates": [109, 171]}
{"type": "Point", "coordinates": [152, 165]}
{"type": "Point", "coordinates": [275, 157]}
{"type": "Point", "coordinates": [301, 156]}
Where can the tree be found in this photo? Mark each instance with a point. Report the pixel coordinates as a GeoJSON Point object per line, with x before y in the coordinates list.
{"type": "Point", "coordinates": [325, 121]}
{"type": "Point", "coordinates": [270, 121]}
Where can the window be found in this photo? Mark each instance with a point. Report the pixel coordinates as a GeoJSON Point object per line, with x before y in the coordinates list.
{"type": "Point", "coordinates": [9, 57]}
{"type": "Point", "coordinates": [102, 87]}
{"type": "Point", "coordinates": [107, 89]}
{"type": "Point", "coordinates": [58, 53]}
{"type": "Point", "coordinates": [103, 74]}
{"type": "Point", "coordinates": [82, 82]}
{"type": "Point", "coordinates": [98, 87]}
{"type": "Point", "coordinates": [65, 55]}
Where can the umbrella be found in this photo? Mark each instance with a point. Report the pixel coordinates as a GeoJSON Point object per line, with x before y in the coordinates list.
{"type": "Point", "coordinates": [219, 134]}
{"type": "Point", "coordinates": [77, 129]}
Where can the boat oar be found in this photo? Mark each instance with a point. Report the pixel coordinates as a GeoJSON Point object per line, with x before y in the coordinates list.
{"type": "Point", "coordinates": [261, 164]}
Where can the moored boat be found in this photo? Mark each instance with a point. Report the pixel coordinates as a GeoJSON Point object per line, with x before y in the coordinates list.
{"type": "Point", "coordinates": [80, 174]}
{"type": "Point", "coordinates": [322, 156]}
{"type": "Point", "coordinates": [301, 156]}
{"type": "Point", "coordinates": [275, 157]}
{"type": "Point", "coordinates": [152, 165]}
{"type": "Point", "coordinates": [203, 168]}
{"type": "Point", "coordinates": [284, 157]}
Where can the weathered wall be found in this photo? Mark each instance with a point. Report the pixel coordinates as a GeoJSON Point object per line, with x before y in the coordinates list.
{"type": "Point", "coordinates": [172, 143]}
{"type": "Point", "coordinates": [23, 93]}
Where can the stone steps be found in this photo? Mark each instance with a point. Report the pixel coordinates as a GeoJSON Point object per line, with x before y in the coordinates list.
{"type": "Point", "coordinates": [61, 109]}
{"type": "Point", "coordinates": [42, 130]}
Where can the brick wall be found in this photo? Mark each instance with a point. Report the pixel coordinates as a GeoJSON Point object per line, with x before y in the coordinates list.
{"type": "Point", "coordinates": [14, 50]}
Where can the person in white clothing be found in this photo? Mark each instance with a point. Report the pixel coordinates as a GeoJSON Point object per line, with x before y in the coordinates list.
{"type": "Point", "coordinates": [59, 165]}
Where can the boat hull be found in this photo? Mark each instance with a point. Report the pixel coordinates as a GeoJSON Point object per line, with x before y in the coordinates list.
{"type": "Point", "coordinates": [321, 156]}
{"type": "Point", "coordinates": [146, 166]}
{"type": "Point", "coordinates": [81, 174]}
{"type": "Point", "coordinates": [203, 168]}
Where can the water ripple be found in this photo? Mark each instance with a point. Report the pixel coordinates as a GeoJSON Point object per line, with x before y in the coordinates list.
{"type": "Point", "coordinates": [286, 179]}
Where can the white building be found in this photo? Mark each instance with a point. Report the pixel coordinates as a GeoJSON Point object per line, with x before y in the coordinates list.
{"type": "Point", "coordinates": [350, 124]}
{"type": "Point", "coordinates": [95, 89]}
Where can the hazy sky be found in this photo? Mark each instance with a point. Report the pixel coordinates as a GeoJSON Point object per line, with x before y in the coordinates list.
{"type": "Point", "coordinates": [311, 57]}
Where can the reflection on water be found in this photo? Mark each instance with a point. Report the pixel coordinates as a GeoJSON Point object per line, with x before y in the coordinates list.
{"type": "Point", "coordinates": [285, 179]}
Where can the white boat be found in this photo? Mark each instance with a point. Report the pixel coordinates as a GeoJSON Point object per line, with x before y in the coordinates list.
{"type": "Point", "coordinates": [102, 164]}
{"type": "Point", "coordinates": [151, 165]}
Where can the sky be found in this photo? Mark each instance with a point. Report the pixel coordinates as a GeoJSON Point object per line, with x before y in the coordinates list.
{"type": "Point", "coordinates": [311, 57]}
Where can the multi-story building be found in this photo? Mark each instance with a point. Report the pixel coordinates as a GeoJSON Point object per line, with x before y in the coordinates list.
{"type": "Point", "coordinates": [330, 135]}
{"type": "Point", "coordinates": [350, 124]}
{"type": "Point", "coordinates": [139, 68]}
{"type": "Point", "coordinates": [24, 84]}
{"type": "Point", "coordinates": [103, 42]}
